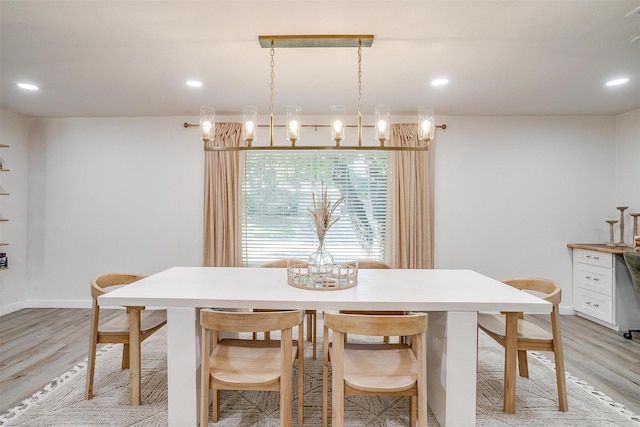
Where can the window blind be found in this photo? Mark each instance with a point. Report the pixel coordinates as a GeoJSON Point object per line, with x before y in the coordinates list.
{"type": "Point", "coordinates": [278, 188]}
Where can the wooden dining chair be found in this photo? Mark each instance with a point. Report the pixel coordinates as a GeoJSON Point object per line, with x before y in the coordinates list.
{"type": "Point", "coordinates": [247, 364]}
{"type": "Point", "coordinates": [524, 336]}
{"type": "Point", "coordinates": [368, 368]}
{"type": "Point", "coordinates": [632, 259]}
{"type": "Point", "coordinates": [372, 264]}
{"type": "Point", "coordinates": [116, 329]}
{"type": "Point", "coordinates": [311, 315]}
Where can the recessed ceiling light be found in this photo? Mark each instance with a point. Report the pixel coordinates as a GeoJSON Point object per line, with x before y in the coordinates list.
{"type": "Point", "coordinates": [194, 83]}
{"type": "Point", "coordinates": [439, 82]}
{"type": "Point", "coordinates": [28, 86]}
{"type": "Point", "coordinates": [617, 82]}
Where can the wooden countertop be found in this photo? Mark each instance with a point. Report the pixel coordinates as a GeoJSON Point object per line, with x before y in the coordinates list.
{"type": "Point", "coordinates": [618, 250]}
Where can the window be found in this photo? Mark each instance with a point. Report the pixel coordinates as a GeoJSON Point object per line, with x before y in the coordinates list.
{"type": "Point", "coordinates": [277, 188]}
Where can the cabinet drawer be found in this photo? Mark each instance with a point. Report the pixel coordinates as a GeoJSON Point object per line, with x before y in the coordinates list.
{"type": "Point", "coordinates": [594, 304]}
{"type": "Point", "coordinates": [601, 259]}
{"type": "Point", "coordinates": [594, 278]}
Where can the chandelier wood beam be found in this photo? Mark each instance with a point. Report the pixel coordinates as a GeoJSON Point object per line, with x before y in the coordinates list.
{"type": "Point", "coordinates": [316, 40]}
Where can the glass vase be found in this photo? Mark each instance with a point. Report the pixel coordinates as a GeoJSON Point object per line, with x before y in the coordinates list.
{"type": "Point", "coordinates": [320, 262]}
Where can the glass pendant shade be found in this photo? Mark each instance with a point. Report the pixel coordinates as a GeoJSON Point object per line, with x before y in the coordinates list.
{"type": "Point", "coordinates": [293, 123]}
{"type": "Point", "coordinates": [382, 122]}
{"type": "Point", "coordinates": [249, 123]}
{"type": "Point", "coordinates": [425, 123]}
{"type": "Point", "coordinates": [337, 123]}
{"type": "Point", "coordinates": [207, 123]}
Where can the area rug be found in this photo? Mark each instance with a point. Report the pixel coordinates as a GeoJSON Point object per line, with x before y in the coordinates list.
{"type": "Point", "coordinates": [62, 402]}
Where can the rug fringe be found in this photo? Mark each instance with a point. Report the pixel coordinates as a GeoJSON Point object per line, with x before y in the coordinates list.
{"type": "Point", "coordinates": [16, 411]}
{"type": "Point", "coordinates": [585, 386]}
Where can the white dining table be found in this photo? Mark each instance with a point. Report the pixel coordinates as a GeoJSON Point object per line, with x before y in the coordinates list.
{"type": "Point", "coordinates": [452, 298]}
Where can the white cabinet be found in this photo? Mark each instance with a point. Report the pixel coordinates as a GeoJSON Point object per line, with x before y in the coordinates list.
{"type": "Point", "coordinates": [602, 289]}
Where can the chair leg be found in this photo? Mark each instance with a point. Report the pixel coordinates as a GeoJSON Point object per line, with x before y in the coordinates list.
{"type": "Point", "coordinates": [315, 334]}
{"type": "Point", "coordinates": [325, 396]}
{"type": "Point", "coordinates": [301, 383]}
{"type": "Point", "coordinates": [510, 357]}
{"type": "Point", "coordinates": [523, 365]}
{"type": "Point", "coordinates": [559, 360]}
{"type": "Point", "coordinates": [204, 406]}
{"type": "Point", "coordinates": [325, 377]}
{"type": "Point", "coordinates": [562, 384]}
{"type": "Point", "coordinates": [309, 326]}
{"type": "Point", "coordinates": [125, 356]}
{"type": "Point", "coordinates": [413, 404]}
{"type": "Point", "coordinates": [215, 412]}
{"type": "Point", "coordinates": [91, 366]}
{"type": "Point", "coordinates": [135, 362]}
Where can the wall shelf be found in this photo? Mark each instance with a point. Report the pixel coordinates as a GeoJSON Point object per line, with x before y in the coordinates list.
{"type": "Point", "coordinates": [2, 169]}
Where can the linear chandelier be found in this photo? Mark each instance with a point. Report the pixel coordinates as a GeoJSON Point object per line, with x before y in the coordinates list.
{"type": "Point", "coordinates": [426, 125]}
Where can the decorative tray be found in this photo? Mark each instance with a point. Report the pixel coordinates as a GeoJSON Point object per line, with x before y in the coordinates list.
{"type": "Point", "coordinates": [341, 276]}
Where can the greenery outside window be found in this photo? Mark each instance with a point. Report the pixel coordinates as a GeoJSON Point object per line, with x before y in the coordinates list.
{"type": "Point", "coordinates": [277, 188]}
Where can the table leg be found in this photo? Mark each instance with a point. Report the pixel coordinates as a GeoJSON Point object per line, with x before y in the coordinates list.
{"type": "Point", "coordinates": [510, 353]}
{"type": "Point", "coordinates": [135, 380]}
{"type": "Point", "coordinates": [337, 382]}
{"type": "Point", "coordinates": [183, 365]}
{"type": "Point", "coordinates": [452, 345]}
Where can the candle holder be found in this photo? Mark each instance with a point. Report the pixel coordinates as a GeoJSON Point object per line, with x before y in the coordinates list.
{"type": "Point", "coordinates": [611, 222]}
{"type": "Point", "coordinates": [635, 223]}
{"type": "Point", "coordinates": [621, 209]}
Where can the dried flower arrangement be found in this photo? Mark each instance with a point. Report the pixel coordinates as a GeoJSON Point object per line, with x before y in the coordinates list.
{"type": "Point", "coordinates": [322, 212]}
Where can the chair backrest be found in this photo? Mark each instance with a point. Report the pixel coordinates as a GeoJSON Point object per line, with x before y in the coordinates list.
{"type": "Point", "coordinates": [100, 284]}
{"type": "Point", "coordinates": [282, 263]}
{"type": "Point", "coordinates": [250, 321]}
{"type": "Point", "coordinates": [374, 325]}
{"type": "Point", "coordinates": [370, 264]}
{"type": "Point", "coordinates": [550, 290]}
{"type": "Point", "coordinates": [632, 259]}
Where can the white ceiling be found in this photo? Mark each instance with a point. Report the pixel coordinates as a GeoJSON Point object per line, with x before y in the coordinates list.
{"type": "Point", "coordinates": [132, 58]}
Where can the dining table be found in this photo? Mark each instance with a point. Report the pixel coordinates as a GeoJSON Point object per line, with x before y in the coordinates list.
{"type": "Point", "coordinates": [451, 297]}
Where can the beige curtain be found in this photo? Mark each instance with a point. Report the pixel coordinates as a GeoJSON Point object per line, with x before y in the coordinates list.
{"type": "Point", "coordinates": [222, 199]}
{"type": "Point", "coordinates": [412, 186]}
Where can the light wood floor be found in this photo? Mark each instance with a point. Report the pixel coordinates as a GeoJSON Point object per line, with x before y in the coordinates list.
{"type": "Point", "coordinates": [37, 345]}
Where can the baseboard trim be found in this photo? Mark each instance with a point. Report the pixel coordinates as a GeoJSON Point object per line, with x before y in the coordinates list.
{"type": "Point", "coordinates": [58, 304]}
{"type": "Point", "coordinates": [7, 309]}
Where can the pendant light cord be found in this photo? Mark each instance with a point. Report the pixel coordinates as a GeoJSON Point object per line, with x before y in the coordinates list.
{"type": "Point", "coordinates": [272, 53]}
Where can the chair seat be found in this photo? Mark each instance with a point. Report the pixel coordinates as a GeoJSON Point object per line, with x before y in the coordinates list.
{"type": "Point", "coordinates": [235, 362]}
{"type": "Point", "coordinates": [380, 373]}
{"type": "Point", "coordinates": [496, 325]}
{"type": "Point", "coordinates": [149, 320]}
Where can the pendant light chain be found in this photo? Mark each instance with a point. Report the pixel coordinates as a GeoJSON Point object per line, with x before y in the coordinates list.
{"type": "Point", "coordinates": [359, 76]}
{"type": "Point", "coordinates": [359, 92]}
{"type": "Point", "coordinates": [271, 96]}
{"type": "Point", "coordinates": [272, 63]}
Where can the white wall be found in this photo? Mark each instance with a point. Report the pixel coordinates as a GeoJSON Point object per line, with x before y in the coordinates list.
{"type": "Point", "coordinates": [110, 194]}
{"type": "Point", "coordinates": [511, 192]}
{"type": "Point", "coordinates": [107, 195]}
{"type": "Point", "coordinates": [628, 168]}
{"type": "Point", "coordinates": [14, 131]}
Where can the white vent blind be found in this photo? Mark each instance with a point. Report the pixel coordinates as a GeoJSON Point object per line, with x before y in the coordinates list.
{"type": "Point", "coordinates": [277, 188]}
